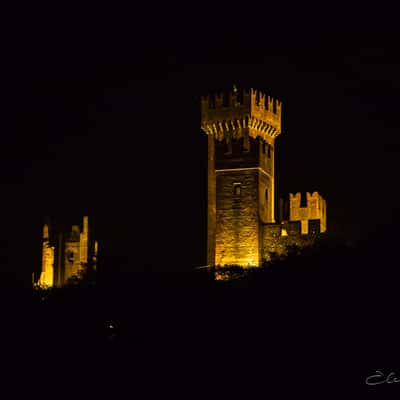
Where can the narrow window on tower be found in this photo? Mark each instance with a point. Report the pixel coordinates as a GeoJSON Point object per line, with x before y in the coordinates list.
{"type": "Point", "coordinates": [227, 146]}
{"type": "Point", "coordinates": [246, 143]}
{"type": "Point", "coordinates": [237, 189]}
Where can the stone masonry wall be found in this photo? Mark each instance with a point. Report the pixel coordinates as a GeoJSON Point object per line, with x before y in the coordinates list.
{"type": "Point", "coordinates": [237, 218]}
{"type": "Point", "coordinates": [278, 238]}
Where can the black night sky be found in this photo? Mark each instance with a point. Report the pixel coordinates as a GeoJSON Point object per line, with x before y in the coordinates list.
{"type": "Point", "coordinates": [101, 116]}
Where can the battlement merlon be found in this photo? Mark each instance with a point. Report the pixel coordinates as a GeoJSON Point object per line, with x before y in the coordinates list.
{"type": "Point", "coordinates": [252, 109]}
{"type": "Point", "coordinates": [314, 208]}
{"type": "Point", "coordinates": [296, 198]}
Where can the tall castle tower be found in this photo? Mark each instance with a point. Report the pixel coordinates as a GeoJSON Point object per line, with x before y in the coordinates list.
{"type": "Point", "coordinates": [241, 128]}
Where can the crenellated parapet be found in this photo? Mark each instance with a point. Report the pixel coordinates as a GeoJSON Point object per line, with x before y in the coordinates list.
{"type": "Point", "coordinates": [234, 114]}
{"type": "Point", "coordinates": [314, 208]}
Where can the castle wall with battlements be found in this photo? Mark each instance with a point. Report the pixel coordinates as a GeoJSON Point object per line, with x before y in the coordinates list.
{"type": "Point", "coordinates": [314, 208]}
{"type": "Point", "coordinates": [279, 237]}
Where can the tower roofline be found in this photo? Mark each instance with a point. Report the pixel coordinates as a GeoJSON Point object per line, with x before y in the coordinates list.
{"type": "Point", "coordinates": [234, 111]}
{"type": "Point", "coordinates": [314, 194]}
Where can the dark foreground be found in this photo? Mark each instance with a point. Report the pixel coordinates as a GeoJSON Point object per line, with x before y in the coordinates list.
{"type": "Point", "coordinates": [319, 329]}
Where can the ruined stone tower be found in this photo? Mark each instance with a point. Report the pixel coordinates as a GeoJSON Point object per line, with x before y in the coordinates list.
{"type": "Point", "coordinates": [66, 255]}
{"type": "Point", "coordinates": [241, 128]}
{"type": "Point", "coordinates": [46, 278]}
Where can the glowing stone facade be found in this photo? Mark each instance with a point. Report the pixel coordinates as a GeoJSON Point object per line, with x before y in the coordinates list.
{"type": "Point", "coordinates": [46, 278]}
{"type": "Point", "coordinates": [242, 128]}
{"type": "Point", "coordinates": [315, 208]}
{"type": "Point", "coordinates": [69, 257]}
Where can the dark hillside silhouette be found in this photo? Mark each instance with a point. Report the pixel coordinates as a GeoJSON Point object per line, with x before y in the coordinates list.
{"type": "Point", "coordinates": [325, 306]}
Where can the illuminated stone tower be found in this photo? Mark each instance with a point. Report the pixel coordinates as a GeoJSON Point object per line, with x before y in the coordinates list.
{"type": "Point", "coordinates": [47, 275]}
{"type": "Point", "coordinates": [241, 128]}
{"type": "Point", "coordinates": [75, 252]}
